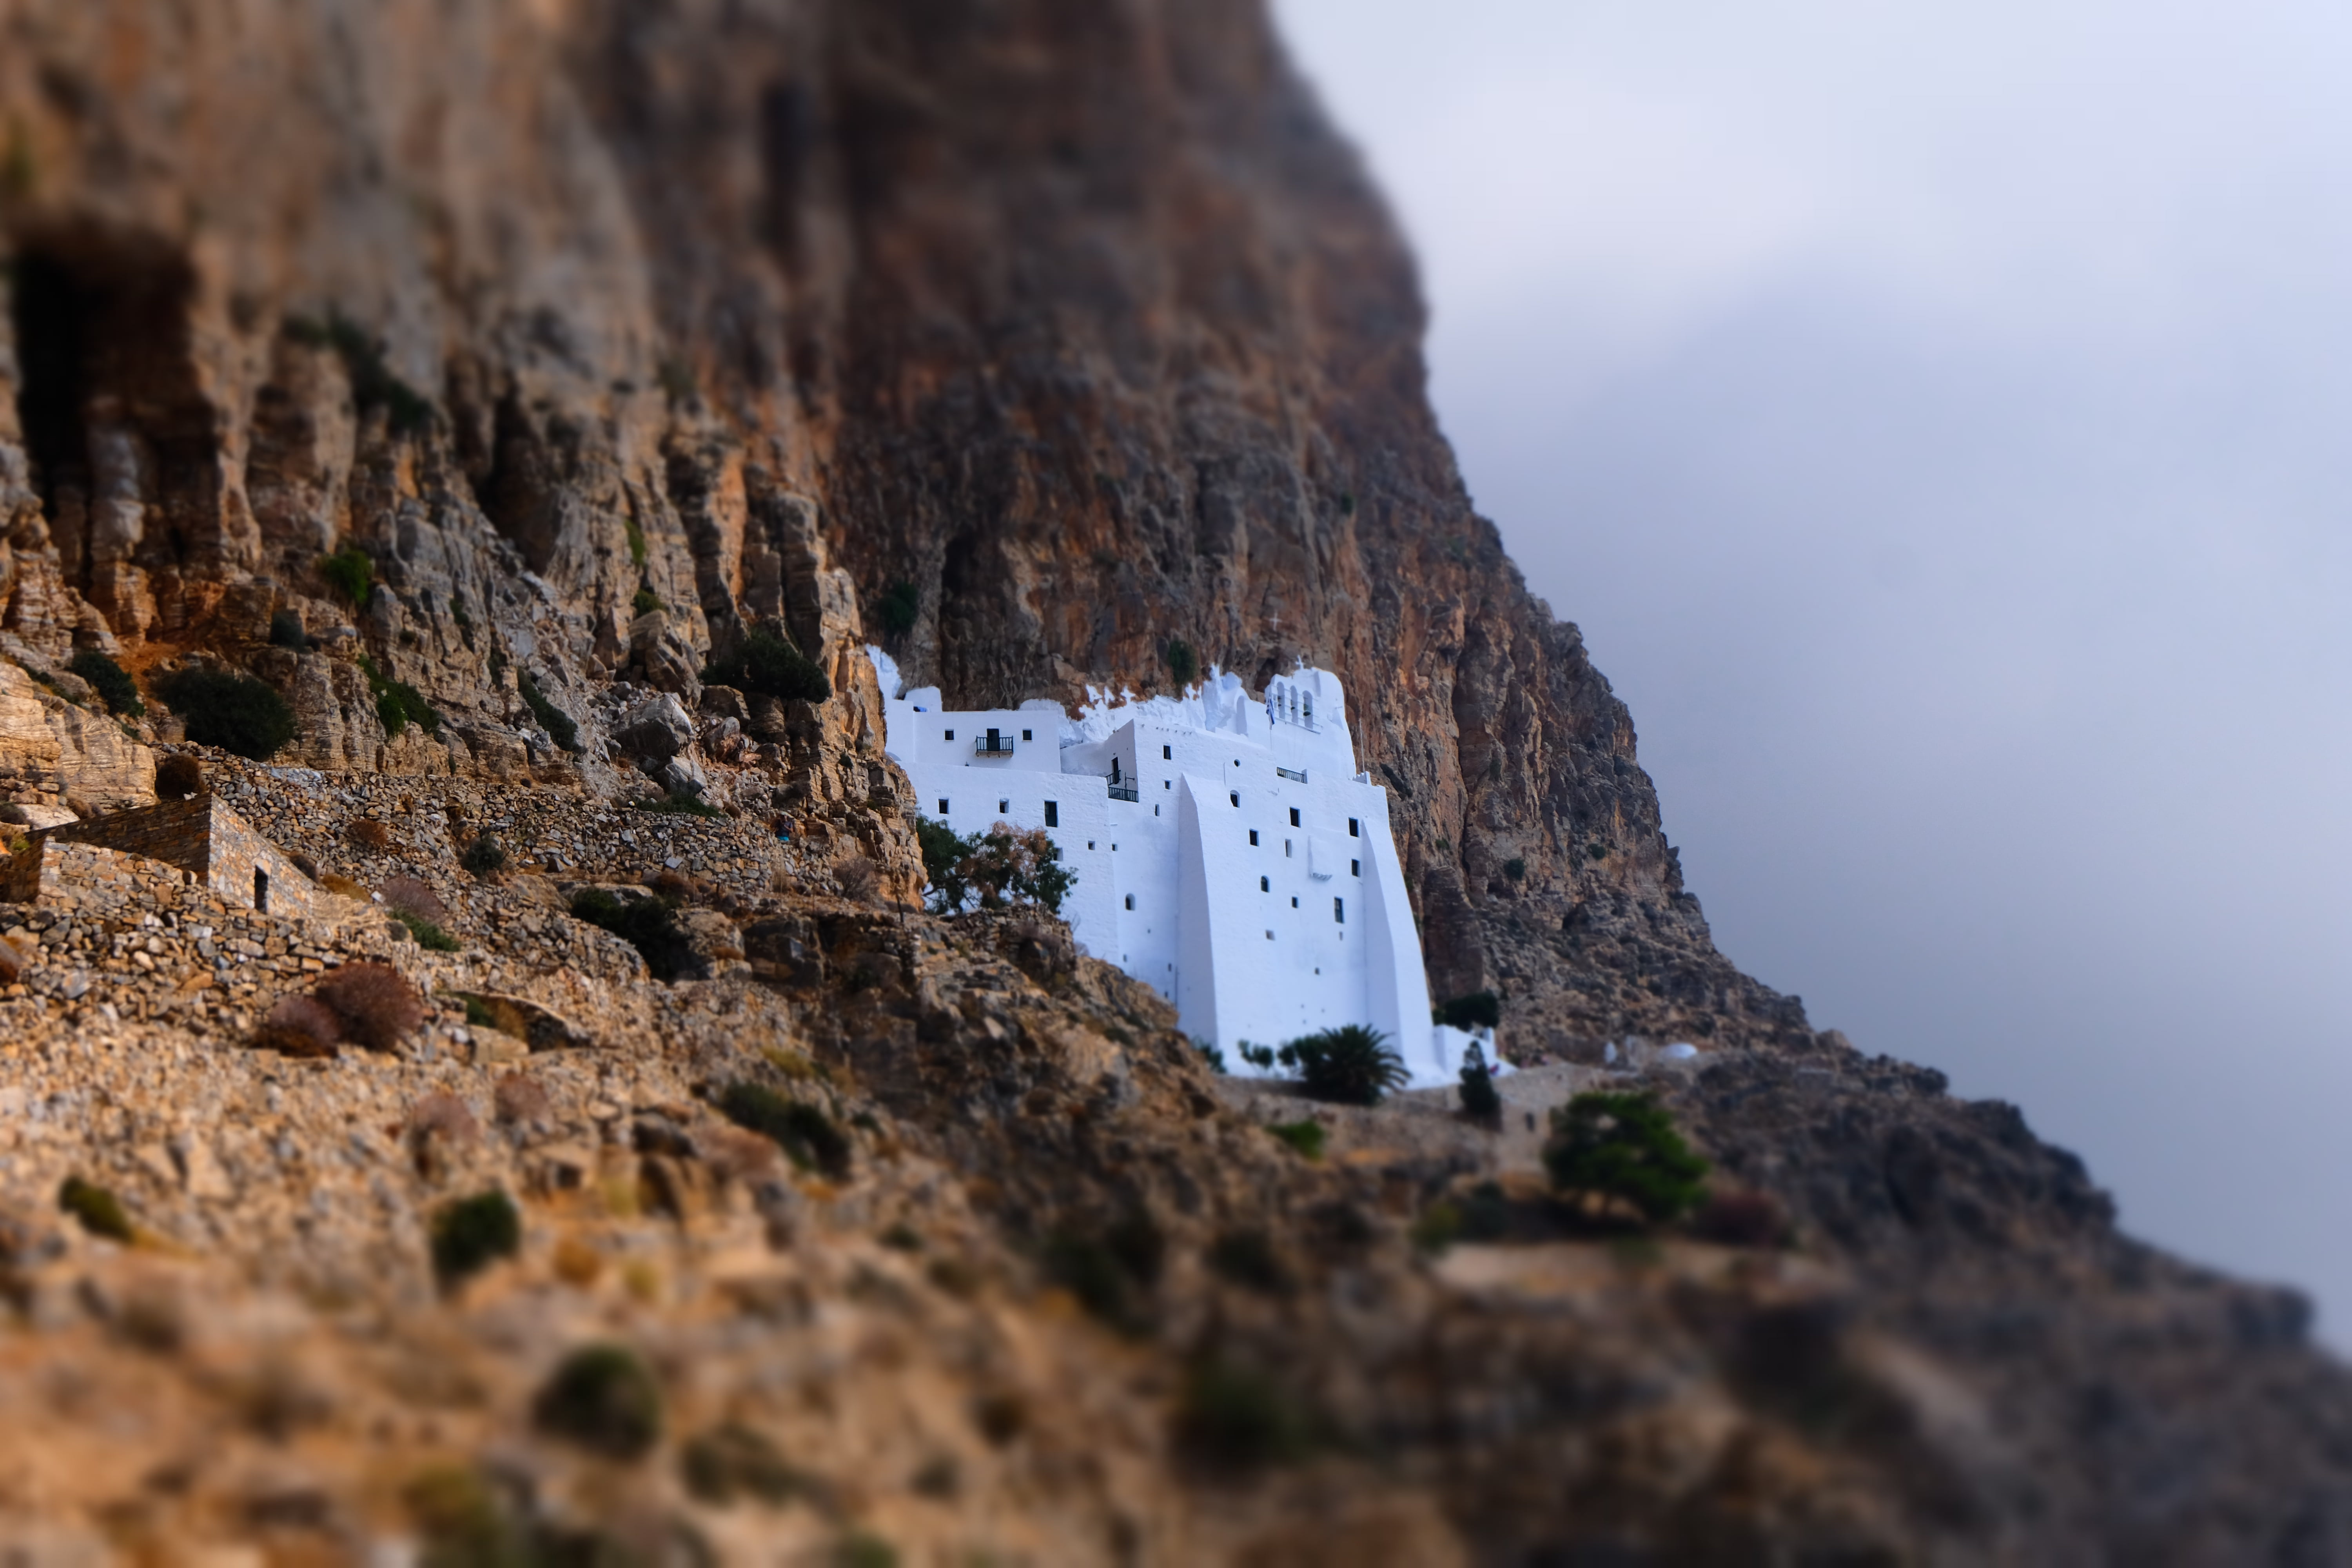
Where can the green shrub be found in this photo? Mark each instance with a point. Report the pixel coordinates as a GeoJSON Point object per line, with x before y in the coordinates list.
{"type": "Point", "coordinates": [99, 1210]}
{"type": "Point", "coordinates": [1480, 1101]}
{"type": "Point", "coordinates": [429, 936]}
{"type": "Point", "coordinates": [1233, 1418]}
{"type": "Point", "coordinates": [373, 385]}
{"type": "Point", "coordinates": [1351, 1065]}
{"type": "Point", "coordinates": [1307, 1136]}
{"type": "Point", "coordinates": [236, 713]}
{"type": "Point", "coordinates": [457, 613]}
{"type": "Point", "coordinates": [646, 602]}
{"type": "Point", "coordinates": [1480, 1009]}
{"type": "Point", "coordinates": [766, 663]}
{"type": "Point", "coordinates": [351, 573]}
{"type": "Point", "coordinates": [732, 1461]}
{"type": "Point", "coordinates": [900, 608]}
{"type": "Point", "coordinates": [1111, 1272]}
{"type": "Point", "coordinates": [1596, 852]}
{"type": "Point", "coordinates": [462, 1522]}
{"type": "Point", "coordinates": [110, 682]}
{"type": "Point", "coordinates": [1515, 868]}
{"type": "Point", "coordinates": [1210, 1052]}
{"type": "Point", "coordinates": [397, 703]}
{"type": "Point", "coordinates": [637, 535]}
{"type": "Point", "coordinates": [799, 1129]}
{"type": "Point", "coordinates": [862, 1549]}
{"type": "Point", "coordinates": [645, 925]}
{"type": "Point", "coordinates": [1182, 662]}
{"type": "Point", "coordinates": [176, 775]}
{"type": "Point", "coordinates": [471, 1234]}
{"type": "Point", "coordinates": [551, 719]}
{"type": "Point", "coordinates": [1624, 1147]}
{"type": "Point", "coordinates": [679, 805]}
{"type": "Point", "coordinates": [286, 630]}
{"type": "Point", "coordinates": [485, 857]}
{"type": "Point", "coordinates": [602, 1398]}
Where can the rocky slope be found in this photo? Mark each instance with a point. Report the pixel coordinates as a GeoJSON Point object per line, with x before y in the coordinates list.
{"type": "Point", "coordinates": [1031, 341]}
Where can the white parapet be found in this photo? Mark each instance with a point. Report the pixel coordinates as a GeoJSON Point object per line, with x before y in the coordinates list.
{"type": "Point", "coordinates": [1227, 851]}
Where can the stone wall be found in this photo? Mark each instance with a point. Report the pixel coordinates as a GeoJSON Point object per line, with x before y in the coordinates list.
{"type": "Point", "coordinates": [205, 838]}
{"type": "Point", "coordinates": [89, 877]}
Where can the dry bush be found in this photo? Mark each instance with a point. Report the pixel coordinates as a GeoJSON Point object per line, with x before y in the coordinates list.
{"type": "Point", "coordinates": [336, 882]}
{"type": "Point", "coordinates": [368, 833]}
{"type": "Point", "coordinates": [441, 1114]}
{"type": "Point", "coordinates": [523, 1101]}
{"type": "Point", "coordinates": [375, 1002]}
{"type": "Point", "coordinates": [409, 896]}
{"type": "Point", "coordinates": [858, 879]}
{"type": "Point", "coordinates": [675, 886]}
{"type": "Point", "coordinates": [300, 1025]}
{"type": "Point", "coordinates": [177, 776]}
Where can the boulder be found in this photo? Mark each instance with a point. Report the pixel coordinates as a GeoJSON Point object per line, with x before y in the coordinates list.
{"type": "Point", "coordinates": [657, 728]}
{"type": "Point", "coordinates": [83, 756]}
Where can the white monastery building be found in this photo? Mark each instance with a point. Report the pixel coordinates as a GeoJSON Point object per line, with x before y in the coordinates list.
{"type": "Point", "coordinates": [1227, 851]}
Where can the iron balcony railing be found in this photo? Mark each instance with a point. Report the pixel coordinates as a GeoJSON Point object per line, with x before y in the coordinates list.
{"type": "Point", "coordinates": [993, 746]}
{"type": "Point", "coordinates": [1123, 789]}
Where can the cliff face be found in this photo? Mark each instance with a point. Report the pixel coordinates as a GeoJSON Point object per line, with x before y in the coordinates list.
{"type": "Point", "coordinates": [1071, 336]}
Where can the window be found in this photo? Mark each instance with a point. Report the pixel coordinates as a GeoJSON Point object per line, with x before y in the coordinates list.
{"type": "Point", "coordinates": [944, 807]}
{"type": "Point", "coordinates": [1253, 837]}
{"type": "Point", "coordinates": [1352, 832]}
{"type": "Point", "coordinates": [1285, 849]}
{"type": "Point", "coordinates": [1238, 798]}
{"type": "Point", "coordinates": [1339, 910]}
{"type": "Point", "coordinates": [1265, 885]}
{"type": "Point", "coordinates": [1003, 808]}
{"type": "Point", "coordinates": [260, 890]}
{"type": "Point", "coordinates": [1090, 843]}
{"type": "Point", "coordinates": [1294, 817]}
{"type": "Point", "coordinates": [1166, 783]}
{"type": "Point", "coordinates": [1130, 900]}
{"type": "Point", "coordinates": [1053, 814]}
{"type": "Point", "coordinates": [1269, 936]}
{"type": "Point", "coordinates": [1355, 867]}
{"type": "Point", "coordinates": [950, 734]}
{"type": "Point", "coordinates": [1294, 900]}
{"type": "Point", "coordinates": [1024, 734]}
{"type": "Point", "coordinates": [1168, 753]}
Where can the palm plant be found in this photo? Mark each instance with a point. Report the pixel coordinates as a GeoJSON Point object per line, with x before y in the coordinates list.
{"type": "Point", "coordinates": [1351, 1065]}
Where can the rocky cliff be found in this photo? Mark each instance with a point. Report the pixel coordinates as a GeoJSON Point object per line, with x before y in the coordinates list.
{"type": "Point", "coordinates": [531, 355]}
{"type": "Point", "coordinates": [1028, 341]}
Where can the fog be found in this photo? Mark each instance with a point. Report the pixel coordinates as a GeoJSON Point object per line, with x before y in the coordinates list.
{"type": "Point", "coordinates": [1940, 421]}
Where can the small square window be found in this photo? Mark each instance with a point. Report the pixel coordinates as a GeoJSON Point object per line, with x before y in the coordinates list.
{"type": "Point", "coordinates": [1168, 753]}
{"type": "Point", "coordinates": [1130, 900]}
{"type": "Point", "coordinates": [943, 808]}
{"type": "Point", "coordinates": [1294, 817]}
{"type": "Point", "coordinates": [950, 734]}
{"type": "Point", "coordinates": [1053, 814]}
{"type": "Point", "coordinates": [1355, 867]}
{"type": "Point", "coordinates": [1166, 783]}
{"type": "Point", "coordinates": [1265, 885]}
{"type": "Point", "coordinates": [1294, 900]}
{"type": "Point", "coordinates": [1004, 806]}
{"type": "Point", "coordinates": [1090, 843]}
{"type": "Point", "coordinates": [1024, 734]}
{"type": "Point", "coordinates": [1352, 832]}
{"type": "Point", "coordinates": [1253, 837]}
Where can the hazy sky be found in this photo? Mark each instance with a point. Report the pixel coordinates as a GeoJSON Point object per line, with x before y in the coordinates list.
{"type": "Point", "coordinates": [1939, 420]}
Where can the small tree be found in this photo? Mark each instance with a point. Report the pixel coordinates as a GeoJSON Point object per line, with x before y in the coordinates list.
{"type": "Point", "coordinates": [1351, 1065]}
{"type": "Point", "coordinates": [1478, 1010]}
{"type": "Point", "coordinates": [900, 608]}
{"type": "Point", "coordinates": [1016, 866]}
{"type": "Point", "coordinates": [944, 852]}
{"type": "Point", "coordinates": [1624, 1146]}
{"type": "Point", "coordinates": [766, 663]}
{"type": "Point", "coordinates": [1480, 1102]}
{"type": "Point", "coordinates": [1182, 662]}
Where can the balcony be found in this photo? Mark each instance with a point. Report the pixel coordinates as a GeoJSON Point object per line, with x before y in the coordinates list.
{"type": "Point", "coordinates": [992, 745]}
{"type": "Point", "coordinates": [1297, 774]}
{"type": "Point", "coordinates": [1126, 791]}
